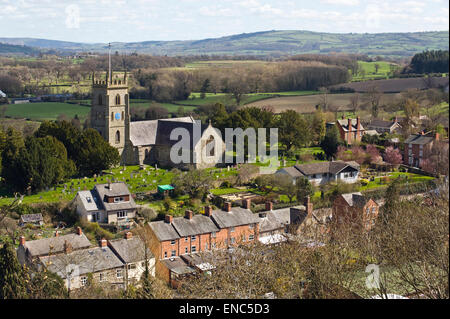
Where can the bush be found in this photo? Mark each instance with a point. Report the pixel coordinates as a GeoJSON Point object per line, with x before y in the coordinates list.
{"type": "Point", "coordinates": [147, 213]}
{"type": "Point", "coordinates": [364, 182]}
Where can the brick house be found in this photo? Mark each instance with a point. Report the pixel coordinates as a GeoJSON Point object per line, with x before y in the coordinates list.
{"type": "Point", "coordinates": [177, 237]}
{"type": "Point", "coordinates": [417, 147]}
{"type": "Point", "coordinates": [351, 130]}
{"type": "Point", "coordinates": [110, 203]}
{"type": "Point", "coordinates": [354, 209]}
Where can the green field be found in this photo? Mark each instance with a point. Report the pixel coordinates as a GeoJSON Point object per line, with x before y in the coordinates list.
{"type": "Point", "coordinates": [46, 110]}
{"type": "Point", "coordinates": [367, 70]}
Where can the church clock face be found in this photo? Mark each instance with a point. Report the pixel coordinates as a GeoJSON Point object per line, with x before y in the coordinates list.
{"type": "Point", "coordinates": [117, 116]}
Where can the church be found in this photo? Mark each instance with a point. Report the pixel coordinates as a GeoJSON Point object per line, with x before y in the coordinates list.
{"type": "Point", "coordinates": [149, 142]}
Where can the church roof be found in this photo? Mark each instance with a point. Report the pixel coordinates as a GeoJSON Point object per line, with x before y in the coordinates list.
{"type": "Point", "coordinates": [157, 131]}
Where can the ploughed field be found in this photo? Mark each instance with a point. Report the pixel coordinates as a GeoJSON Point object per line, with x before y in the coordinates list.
{"type": "Point", "coordinates": [307, 103]}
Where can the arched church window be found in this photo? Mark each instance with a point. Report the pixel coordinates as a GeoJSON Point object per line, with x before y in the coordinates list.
{"type": "Point", "coordinates": [123, 115]}
{"type": "Point", "coordinates": [117, 137]}
{"type": "Point", "coordinates": [146, 153]}
{"type": "Point", "coordinates": [210, 145]}
{"type": "Point", "coordinates": [117, 99]}
{"type": "Point", "coordinates": [100, 99]}
{"type": "Point", "coordinates": [112, 116]}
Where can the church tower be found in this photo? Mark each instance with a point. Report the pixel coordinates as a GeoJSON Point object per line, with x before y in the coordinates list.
{"type": "Point", "coordinates": [110, 112]}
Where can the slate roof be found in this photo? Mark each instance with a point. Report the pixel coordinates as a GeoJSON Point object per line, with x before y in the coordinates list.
{"type": "Point", "coordinates": [88, 261]}
{"type": "Point", "coordinates": [31, 218]}
{"type": "Point", "coordinates": [42, 247]}
{"type": "Point", "coordinates": [325, 167]}
{"type": "Point", "coordinates": [292, 171]}
{"type": "Point", "coordinates": [178, 266]}
{"type": "Point", "coordinates": [238, 216]}
{"type": "Point", "coordinates": [89, 200]}
{"type": "Point", "coordinates": [118, 189]}
{"type": "Point", "coordinates": [276, 219]}
{"type": "Point", "coordinates": [130, 250]}
{"type": "Point", "coordinates": [199, 224]}
{"type": "Point", "coordinates": [355, 199]}
{"type": "Point", "coordinates": [164, 231]}
{"type": "Point", "coordinates": [344, 125]}
{"type": "Point", "coordinates": [419, 139]}
{"type": "Point", "coordinates": [157, 131]}
{"type": "Point", "coordinates": [381, 123]}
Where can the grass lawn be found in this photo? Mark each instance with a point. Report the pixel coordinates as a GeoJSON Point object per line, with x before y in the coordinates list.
{"type": "Point", "coordinates": [46, 110]}
{"type": "Point", "coordinates": [370, 71]}
{"type": "Point", "coordinates": [406, 177]}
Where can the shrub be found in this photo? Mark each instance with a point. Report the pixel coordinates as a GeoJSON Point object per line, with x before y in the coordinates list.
{"type": "Point", "coordinates": [364, 182]}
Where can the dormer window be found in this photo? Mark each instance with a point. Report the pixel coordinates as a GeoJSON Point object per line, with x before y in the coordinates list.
{"type": "Point", "coordinates": [89, 200]}
{"type": "Point", "coordinates": [118, 199]}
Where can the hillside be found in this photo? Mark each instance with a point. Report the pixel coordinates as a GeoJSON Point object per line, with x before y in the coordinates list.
{"type": "Point", "coordinates": [10, 49]}
{"type": "Point", "coordinates": [274, 43]}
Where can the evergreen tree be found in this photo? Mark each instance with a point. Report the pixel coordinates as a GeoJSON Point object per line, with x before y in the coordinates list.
{"type": "Point", "coordinates": [303, 188]}
{"type": "Point", "coordinates": [331, 142]}
{"type": "Point", "coordinates": [12, 283]}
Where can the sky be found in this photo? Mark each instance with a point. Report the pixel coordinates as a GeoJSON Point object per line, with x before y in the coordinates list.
{"type": "Point", "coordinates": [94, 21]}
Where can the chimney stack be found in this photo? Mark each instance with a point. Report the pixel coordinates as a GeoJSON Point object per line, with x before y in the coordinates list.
{"type": "Point", "coordinates": [128, 235]}
{"type": "Point", "coordinates": [168, 219]}
{"type": "Point", "coordinates": [208, 211]}
{"type": "Point", "coordinates": [343, 116]}
{"type": "Point", "coordinates": [103, 243]}
{"type": "Point", "coordinates": [247, 203]}
{"type": "Point", "coordinates": [189, 214]}
{"type": "Point", "coordinates": [67, 247]}
{"type": "Point", "coordinates": [227, 206]}
{"type": "Point", "coordinates": [358, 123]}
{"type": "Point", "coordinates": [349, 122]}
{"type": "Point", "coordinates": [269, 206]}
{"type": "Point", "coordinates": [436, 136]}
{"type": "Point", "coordinates": [79, 231]}
{"type": "Point", "coordinates": [395, 119]}
{"type": "Point", "coordinates": [56, 233]}
{"type": "Point", "coordinates": [308, 205]}
{"type": "Point", "coordinates": [22, 240]}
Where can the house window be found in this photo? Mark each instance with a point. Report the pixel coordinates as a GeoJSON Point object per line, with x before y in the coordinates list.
{"type": "Point", "coordinates": [243, 238]}
{"type": "Point", "coordinates": [118, 199]}
{"type": "Point", "coordinates": [213, 234]}
{"type": "Point", "coordinates": [251, 226]}
{"type": "Point", "coordinates": [102, 277]}
{"type": "Point", "coordinates": [174, 253]}
{"type": "Point", "coordinates": [232, 229]}
{"type": "Point", "coordinates": [121, 214]}
{"type": "Point", "coordinates": [186, 239]}
{"type": "Point", "coordinates": [374, 209]}
{"type": "Point", "coordinates": [193, 249]}
{"type": "Point", "coordinates": [131, 266]}
{"type": "Point", "coordinates": [232, 240]}
{"type": "Point", "coordinates": [186, 250]}
{"type": "Point", "coordinates": [313, 176]}
{"type": "Point", "coordinates": [213, 245]}
{"type": "Point", "coordinates": [83, 281]}
{"type": "Point", "coordinates": [172, 242]}
{"type": "Point", "coordinates": [119, 273]}
{"type": "Point", "coordinates": [251, 237]}
{"type": "Point", "coordinates": [194, 237]}
{"type": "Point", "coordinates": [165, 254]}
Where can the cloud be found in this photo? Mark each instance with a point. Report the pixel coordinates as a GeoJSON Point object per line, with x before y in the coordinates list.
{"type": "Point", "coordinates": [341, 2]}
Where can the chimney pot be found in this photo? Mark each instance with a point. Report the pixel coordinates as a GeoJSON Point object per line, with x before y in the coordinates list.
{"type": "Point", "coordinates": [349, 124]}
{"type": "Point", "coordinates": [79, 231]}
{"type": "Point", "coordinates": [436, 136]}
{"type": "Point", "coordinates": [168, 219]}
{"type": "Point", "coordinates": [269, 206]}
{"type": "Point", "coordinates": [189, 214]}
{"type": "Point", "coordinates": [56, 233]}
{"type": "Point", "coordinates": [128, 235]}
{"type": "Point", "coordinates": [227, 206]}
{"type": "Point", "coordinates": [22, 240]}
{"type": "Point", "coordinates": [103, 242]}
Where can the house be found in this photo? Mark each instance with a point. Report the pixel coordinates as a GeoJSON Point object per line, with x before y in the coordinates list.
{"type": "Point", "coordinates": [417, 147]}
{"type": "Point", "coordinates": [174, 269]}
{"type": "Point", "coordinates": [134, 255]}
{"type": "Point", "coordinates": [173, 238]}
{"type": "Point", "coordinates": [31, 219]}
{"type": "Point", "coordinates": [29, 252]}
{"type": "Point", "coordinates": [275, 224]}
{"type": "Point", "coordinates": [110, 203]}
{"type": "Point", "coordinates": [354, 209]}
{"type": "Point", "coordinates": [351, 130]}
{"type": "Point", "coordinates": [382, 126]}
{"type": "Point", "coordinates": [76, 266]}
{"type": "Point", "coordinates": [323, 172]}
{"type": "Point", "coordinates": [149, 142]}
